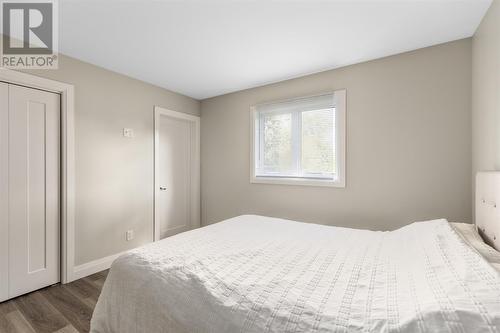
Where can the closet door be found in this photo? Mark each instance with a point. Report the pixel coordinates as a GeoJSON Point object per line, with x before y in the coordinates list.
{"type": "Point", "coordinates": [4, 191]}
{"type": "Point", "coordinates": [34, 168]}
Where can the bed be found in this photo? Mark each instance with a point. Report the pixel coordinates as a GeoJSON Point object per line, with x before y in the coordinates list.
{"type": "Point", "coordinates": [260, 274]}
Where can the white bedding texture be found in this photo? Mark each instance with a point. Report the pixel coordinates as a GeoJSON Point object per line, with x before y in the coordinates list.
{"type": "Point", "coordinates": [470, 235]}
{"type": "Point", "coordinates": [260, 274]}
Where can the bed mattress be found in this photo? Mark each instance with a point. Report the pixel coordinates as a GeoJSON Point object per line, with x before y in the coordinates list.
{"type": "Point", "coordinates": [260, 274]}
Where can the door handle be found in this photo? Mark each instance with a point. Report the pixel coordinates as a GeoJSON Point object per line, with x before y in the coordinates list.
{"type": "Point", "coordinates": [163, 188]}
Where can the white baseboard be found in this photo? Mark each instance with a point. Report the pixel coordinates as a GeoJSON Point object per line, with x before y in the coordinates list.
{"type": "Point", "coordinates": [94, 266]}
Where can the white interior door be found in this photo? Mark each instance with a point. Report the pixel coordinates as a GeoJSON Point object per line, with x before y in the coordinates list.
{"type": "Point", "coordinates": [177, 194]}
{"type": "Point", "coordinates": [33, 189]}
{"type": "Point", "coordinates": [4, 191]}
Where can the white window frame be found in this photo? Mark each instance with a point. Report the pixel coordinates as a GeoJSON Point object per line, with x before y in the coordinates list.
{"type": "Point", "coordinates": [340, 148]}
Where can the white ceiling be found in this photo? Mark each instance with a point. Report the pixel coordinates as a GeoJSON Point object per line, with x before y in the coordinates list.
{"type": "Point", "coordinates": [208, 48]}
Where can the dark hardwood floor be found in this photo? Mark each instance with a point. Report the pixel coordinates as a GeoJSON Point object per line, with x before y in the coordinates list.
{"type": "Point", "coordinates": [60, 308]}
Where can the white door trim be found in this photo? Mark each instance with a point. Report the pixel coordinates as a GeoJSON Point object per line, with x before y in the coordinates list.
{"type": "Point", "coordinates": [195, 171]}
{"type": "Point", "coordinates": [67, 92]}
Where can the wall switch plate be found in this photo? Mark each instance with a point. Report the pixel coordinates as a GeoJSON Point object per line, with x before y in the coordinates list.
{"type": "Point", "coordinates": [130, 235]}
{"type": "Point", "coordinates": [128, 132]}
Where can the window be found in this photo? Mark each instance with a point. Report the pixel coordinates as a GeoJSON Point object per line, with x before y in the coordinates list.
{"type": "Point", "coordinates": [300, 141]}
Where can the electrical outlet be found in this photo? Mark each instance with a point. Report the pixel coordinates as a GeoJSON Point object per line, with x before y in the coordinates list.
{"type": "Point", "coordinates": [130, 235]}
{"type": "Point", "coordinates": [128, 132]}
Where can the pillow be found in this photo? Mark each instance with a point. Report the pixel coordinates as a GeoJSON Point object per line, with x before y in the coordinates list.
{"type": "Point", "coordinates": [469, 234]}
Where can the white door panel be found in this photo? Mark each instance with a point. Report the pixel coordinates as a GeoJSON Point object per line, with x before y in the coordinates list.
{"type": "Point", "coordinates": [4, 191]}
{"type": "Point", "coordinates": [33, 189]}
{"type": "Point", "coordinates": [175, 175]}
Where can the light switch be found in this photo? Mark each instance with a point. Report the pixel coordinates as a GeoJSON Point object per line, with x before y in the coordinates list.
{"type": "Point", "coordinates": [130, 235]}
{"type": "Point", "coordinates": [128, 132]}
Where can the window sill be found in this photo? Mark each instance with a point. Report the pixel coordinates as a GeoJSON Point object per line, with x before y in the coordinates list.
{"type": "Point", "coordinates": [297, 181]}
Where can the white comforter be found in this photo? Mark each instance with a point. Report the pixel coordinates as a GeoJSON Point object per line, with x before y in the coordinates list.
{"type": "Point", "coordinates": [259, 274]}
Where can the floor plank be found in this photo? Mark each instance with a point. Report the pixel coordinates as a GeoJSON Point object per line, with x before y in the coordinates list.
{"type": "Point", "coordinates": [19, 322]}
{"type": "Point", "coordinates": [7, 307]}
{"type": "Point", "coordinates": [98, 279]}
{"type": "Point", "coordinates": [6, 325]}
{"type": "Point", "coordinates": [77, 312]}
{"type": "Point", "coordinates": [39, 312]}
{"type": "Point", "coordinates": [57, 309]}
{"type": "Point", "coordinates": [68, 329]}
{"type": "Point", "coordinates": [98, 276]}
{"type": "Point", "coordinates": [84, 290]}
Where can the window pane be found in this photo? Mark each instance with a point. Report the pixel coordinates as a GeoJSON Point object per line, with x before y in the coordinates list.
{"type": "Point", "coordinates": [277, 143]}
{"type": "Point", "coordinates": [318, 146]}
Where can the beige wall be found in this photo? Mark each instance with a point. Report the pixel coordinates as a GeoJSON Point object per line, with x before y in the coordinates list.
{"type": "Point", "coordinates": [408, 154]}
{"type": "Point", "coordinates": [114, 175]}
{"type": "Point", "coordinates": [486, 92]}
{"type": "Point", "coordinates": [408, 150]}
